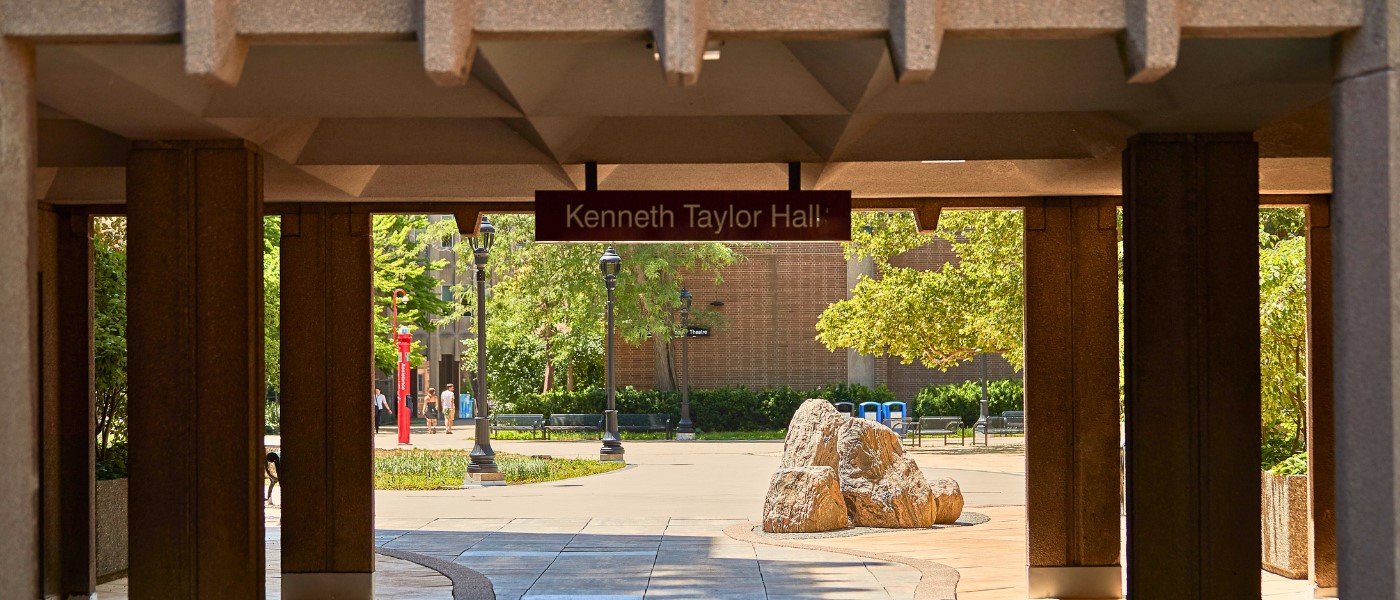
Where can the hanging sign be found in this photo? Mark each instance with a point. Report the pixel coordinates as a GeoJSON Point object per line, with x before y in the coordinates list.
{"type": "Point", "coordinates": [693, 216]}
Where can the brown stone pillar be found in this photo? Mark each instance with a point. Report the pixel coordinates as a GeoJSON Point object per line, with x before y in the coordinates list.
{"type": "Point", "coordinates": [76, 427]}
{"type": "Point", "coordinates": [1072, 519]}
{"type": "Point", "coordinates": [195, 323]}
{"type": "Point", "coordinates": [327, 416]}
{"type": "Point", "coordinates": [19, 355]}
{"type": "Point", "coordinates": [1322, 527]}
{"type": "Point", "coordinates": [1191, 276]}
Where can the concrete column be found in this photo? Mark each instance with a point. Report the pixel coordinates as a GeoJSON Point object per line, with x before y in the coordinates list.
{"type": "Point", "coordinates": [860, 368]}
{"type": "Point", "coordinates": [1366, 322]}
{"type": "Point", "coordinates": [19, 355]}
{"type": "Point", "coordinates": [327, 426]}
{"type": "Point", "coordinates": [194, 277]}
{"type": "Point", "coordinates": [1072, 518]}
{"type": "Point", "coordinates": [76, 428]}
{"type": "Point", "coordinates": [1322, 526]}
{"type": "Point", "coordinates": [1191, 276]}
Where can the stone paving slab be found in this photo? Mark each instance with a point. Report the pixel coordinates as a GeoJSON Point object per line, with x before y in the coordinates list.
{"type": "Point", "coordinates": [649, 557]}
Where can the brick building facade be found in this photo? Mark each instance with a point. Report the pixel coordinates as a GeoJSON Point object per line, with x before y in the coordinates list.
{"type": "Point", "coordinates": [762, 317]}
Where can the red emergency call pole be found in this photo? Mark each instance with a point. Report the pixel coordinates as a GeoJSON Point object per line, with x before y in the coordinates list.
{"type": "Point", "coordinates": [405, 342]}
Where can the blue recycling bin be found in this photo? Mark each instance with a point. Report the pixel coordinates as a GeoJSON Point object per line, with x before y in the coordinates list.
{"type": "Point", "coordinates": [895, 410]}
{"type": "Point", "coordinates": [872, 411]}
{"type": "Point", "coordinates": [846, 408]}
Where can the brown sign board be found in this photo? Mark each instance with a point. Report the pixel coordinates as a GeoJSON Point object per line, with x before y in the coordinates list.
{"type": "Point", "coordinates": [693, 216]}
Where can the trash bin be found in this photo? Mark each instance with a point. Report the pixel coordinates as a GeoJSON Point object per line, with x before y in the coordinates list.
{"type": "Point", "coordinates": [896, 410]}
{"type": "Point", "coordinates": [846, 408]}
{"type": "Point", "coordinates": [871, 411]}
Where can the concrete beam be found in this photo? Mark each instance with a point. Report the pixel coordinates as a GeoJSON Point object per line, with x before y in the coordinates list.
{"type": "Point", "coordinates": [214, 53]}
{"type": "Point", "coordinates": [446, 40]}
{"type": "Point", "coordinates": [916, 32]}
{"type": "Point", "coordinates": [680, 32]}
{"type": "Point", "coordinates": [1151, 39]}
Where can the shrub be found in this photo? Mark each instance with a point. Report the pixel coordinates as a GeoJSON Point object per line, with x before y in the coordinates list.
{"type": "Point", "coordinates": [965, 399]}
{"type": "Point", "coordinates": [720, 409]}
{"type": "Point", "coordinates": [1293, 465]}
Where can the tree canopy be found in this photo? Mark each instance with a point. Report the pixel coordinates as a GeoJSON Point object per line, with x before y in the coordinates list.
{"type": "Point", "coordinates": [400, 242]}
{"type": "Point", "coordinates": [940, 317]}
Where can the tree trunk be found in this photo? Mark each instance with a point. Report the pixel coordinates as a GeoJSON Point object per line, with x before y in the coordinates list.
{"type": "Point", "coordinates": [665, 371]}
{"type": "Point", "coordinates": [569, 377]}
{"type": "Point", "coordinates": [548, 368]}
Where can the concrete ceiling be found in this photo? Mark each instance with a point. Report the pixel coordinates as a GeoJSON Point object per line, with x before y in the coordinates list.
{"type": "Point", "coordinates": [362, 121]}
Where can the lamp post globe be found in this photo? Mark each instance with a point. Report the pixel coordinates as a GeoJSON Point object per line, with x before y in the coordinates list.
{"type": "Point", "coordinates": [483, 469]}
{"type": "Point", "coordinates": [610, 264]}
{"type": "Point", "coordinates": [685, 430]}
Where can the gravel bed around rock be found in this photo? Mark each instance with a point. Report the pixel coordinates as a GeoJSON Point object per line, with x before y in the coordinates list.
{"type": "Point", "coordinates": [964, 520]}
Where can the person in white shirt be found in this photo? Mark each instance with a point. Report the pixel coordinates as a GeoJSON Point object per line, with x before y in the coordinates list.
{"type": "Point", "coordinates": [449, 407]}
{"type": "Point", "coordinates": [381, 404]}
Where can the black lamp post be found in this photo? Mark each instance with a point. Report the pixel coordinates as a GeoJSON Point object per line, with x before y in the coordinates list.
{"type": "Point", "coordinates": [685, 430]}
{"type": "Point", "coordinates": [610, 264]}
{"type": "Point", "coordinates": [483, 469]}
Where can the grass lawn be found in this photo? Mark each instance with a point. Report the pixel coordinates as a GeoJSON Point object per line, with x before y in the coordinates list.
{"type": "Point", "coordinates": [631, 435]}
{"type": "Point", "coordinates": [433, 469]}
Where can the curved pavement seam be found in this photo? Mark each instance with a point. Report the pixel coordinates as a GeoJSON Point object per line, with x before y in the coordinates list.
{"type": "Point", "coordinates": [466, 583]}
{"type": "Point", "coordinates": [937, 581]}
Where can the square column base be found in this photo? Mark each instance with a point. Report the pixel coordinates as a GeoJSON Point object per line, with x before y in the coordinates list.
{"type": "Point", "coordinates": [1325, 592]}
{"type": "Point", "coordinates": [484, 480]}
{"type": "Point", "coordinates": [1075, 582]}
{"type": "Point", "coordinates": [347, 586]}
{"type": "Point", "coordinates": [619, 457]}
{"type": "Point", "coordinates": [685, 437]}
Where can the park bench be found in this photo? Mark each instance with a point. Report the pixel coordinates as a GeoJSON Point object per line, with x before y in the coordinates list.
{"type": "Point", "coordinates": [1015, 421]}
{"type": "Point", "coordinates": [943, 426]}
{"type": "Point", "coordinates": [901, 426]}
{"type": "Point", "coordinates": [573, 423]}
{"type": "Point", "coordinates": [531, 423]}
{"type": "Point", "coordinates": [272, 467]}
{"type": "Point", "coordinates": [660, 423]}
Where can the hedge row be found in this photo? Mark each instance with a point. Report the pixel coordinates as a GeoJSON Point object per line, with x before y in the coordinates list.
{"type": "Point", "coordinates": [722, 409]}
{"type": "Point", "coordinates": [965, 399]}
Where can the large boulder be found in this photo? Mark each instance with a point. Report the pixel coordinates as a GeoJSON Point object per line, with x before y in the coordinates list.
{"type": "Point", "coordinates": [881, 486]}
{"type": "Point", "coordinates": [804, 500]}
{"type": "Point", "coordinates": [811, 437]}
{"type": "Point", "coordinates": [947, 501]}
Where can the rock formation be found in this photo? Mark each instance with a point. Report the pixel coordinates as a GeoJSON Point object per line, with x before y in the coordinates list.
{"type": "Point", "coordinates": [832, 462]}
{"type": "Point", "coordinates": [811, 437]}
{"type": "Point", "coordinates": [804, 500]}
{"type": "Point", "coordinates": [881, 486]}
{"type": "Point", "coordinates": [948, 501]}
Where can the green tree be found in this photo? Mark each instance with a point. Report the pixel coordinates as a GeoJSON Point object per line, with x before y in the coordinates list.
{"type": "Point", "coordinates": [272, 302]}
{"type": "Point", "coordinates": [109, 331]}
{"type": "Point", "coordinates": [400, 244]}
{"type": "Point", "coordinates": [1283, 332]}
{"type": "Point", "coordinates": [547, 299]}
{"type": "Point", "coordinates": [938, 317]}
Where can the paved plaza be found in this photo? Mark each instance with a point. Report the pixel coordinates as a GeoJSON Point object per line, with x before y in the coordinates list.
{"type": "Point", "coordinates": [657, 529]}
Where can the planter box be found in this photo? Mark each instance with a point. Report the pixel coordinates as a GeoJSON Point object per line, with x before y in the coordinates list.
{"type": "Point", "coordinates": [109, 504]}
{"type": "Point", "coordinates": [1284, 522]}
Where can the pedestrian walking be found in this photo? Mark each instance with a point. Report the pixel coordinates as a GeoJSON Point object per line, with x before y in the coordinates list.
{"type": "Point", "coordinates": [381, 405]}
{"type": "Point", "coordinates": [430, 410]}
{"type": "Point", "coordinates": [449, 407]}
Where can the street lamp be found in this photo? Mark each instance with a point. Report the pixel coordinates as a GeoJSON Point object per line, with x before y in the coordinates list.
{"type": "Point", "coordinates": [685, 430]}
{"type": "Point", "coordinates": [610, 264]}
{"type": "Point", "coordinates": [483, 469]}
{"type": "Point", "coordinates": [404, 342]}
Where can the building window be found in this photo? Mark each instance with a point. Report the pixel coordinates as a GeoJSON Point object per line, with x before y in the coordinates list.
{"type": "Point", "coordinates": [446, 293]}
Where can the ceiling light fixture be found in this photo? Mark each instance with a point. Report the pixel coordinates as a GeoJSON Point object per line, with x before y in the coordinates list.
{"type": "Point", "coordinates": [712, 49]}
{"type": "Point", "coordinates": [944, 161]}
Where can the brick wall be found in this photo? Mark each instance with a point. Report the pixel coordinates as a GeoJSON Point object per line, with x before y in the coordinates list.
{"type": "Point", "coordinates": [764, 334]}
